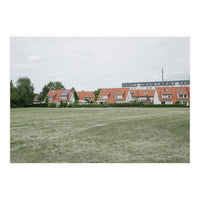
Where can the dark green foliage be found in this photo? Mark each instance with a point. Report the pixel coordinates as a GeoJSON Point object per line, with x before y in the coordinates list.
{"type": "Point", "coordinates": [178, 102]}
{"type": "Point", "coordinates": [64, 104]}
{"type": "Point", "coordinates": [47, 101]}
{"type": "Point", "coordinates": [55, 86]}
{"type": "Point", "coordinates": [145, 105]}
{"type": "Point", "coordinates": [40, 105]}
{"type": "Point", "coordinates": [50, 86]}
{"type": "Point", "coordinates": [25, 90]}
{"type": "Point", "coordinates": [61, 104]}
{"type": "Point", "coordinates": [14, 97]}
{"type": "Point", "coordinates": [51, 105]}
{"type": "Point", "coordinates": [75, 95]}
{"type": "Point", "coordinates": [92, 106]}
{"type": "Point", "coordinates": [96, 93]}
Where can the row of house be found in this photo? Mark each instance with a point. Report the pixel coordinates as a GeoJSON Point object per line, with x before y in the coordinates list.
{"type": "Point", "coordinates": [159, 95]}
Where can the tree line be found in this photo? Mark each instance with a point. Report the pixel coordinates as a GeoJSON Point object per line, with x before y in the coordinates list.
{"type": "Point", "coordinates": [22, 94]}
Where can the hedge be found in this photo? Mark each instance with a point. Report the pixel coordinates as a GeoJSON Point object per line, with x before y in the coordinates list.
{"type": "Point", "coordinates": [64, 104]}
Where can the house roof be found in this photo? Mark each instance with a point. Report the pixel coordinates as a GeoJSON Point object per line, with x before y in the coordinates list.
{"type": "Point", "coordinates": [142, 93]}
{"type": "Point", "coordinates": [83, 95]}
{"type": "Point", "coordinates": [56, 94]}
{"type": "Point", "coordinates": [111, 92]}
{"type": "Point", "coordinates": [174, 92]}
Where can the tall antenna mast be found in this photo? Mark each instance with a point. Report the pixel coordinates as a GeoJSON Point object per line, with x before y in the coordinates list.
{"type": "Point", "coordinates": [162, 74]}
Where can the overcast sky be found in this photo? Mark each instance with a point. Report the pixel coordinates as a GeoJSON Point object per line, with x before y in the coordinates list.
{"type": "Point", "coordinates": [89, 63]}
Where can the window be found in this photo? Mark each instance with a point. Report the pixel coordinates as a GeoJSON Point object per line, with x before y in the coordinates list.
{"type": "Point", "coordinates": [50, 98]}
{"type": "Point", "coordinates": [166, 89]}
{"type": "Point", "coordinates": [132, 93]}
{"type": "Point", "coordinates": [104, 96]}
{"type": "Point", "coordinates": [118, 96]}
{"type": "Point", "coordinates": [89, 98]}
{"type": "Point", "coordinates": [145, 92]}
{"type": "Point", "coordinates": [166, 95]}
{"type": "Point", "coordinates": [162, 102]}
{"type": "Point", "coordinates": [53, 91]}
{"type": "Point", "coordinates": [177, 89]}
{"type": "Point", "coordinates": [182, 95]}
{"type": "Point", "coordinates": [181, 89]}
{"type": "Point", "coordinates": [63, 97]}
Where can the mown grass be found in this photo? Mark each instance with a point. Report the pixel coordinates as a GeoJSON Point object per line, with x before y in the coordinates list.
{"type": "Point", "coordinates": [99, 135]}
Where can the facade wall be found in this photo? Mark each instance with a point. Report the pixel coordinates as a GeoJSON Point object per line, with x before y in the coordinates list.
{"type": "Point", "coordinates": [156, 99]}
{"type": "Point", "coordinates": [154, 84]}
{"type": "Point", "coordinates": [129, 97]}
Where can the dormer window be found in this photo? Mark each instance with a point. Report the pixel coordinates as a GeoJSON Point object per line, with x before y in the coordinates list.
{"type": "Point", "coordinates": [182, 95]}
{"type": "Point", "coordinates": [63, 97]}
{"type": "Point", "coordinates": [177, 89]}
{"type": "Point", "coordinates": [118, 96]}
{"type": "Point", "coordinates": [89, 98]}
{"type": "Point", "coordinates": [166, 95]}
{"type": "Point", "coordinates": [50, 98]}
{"type": "Point", "coordinates": [181, 89]}
{"type": "Point", "coordinates": [104, 96]}
{"type": "Point", "coordinates": [145, 92]}
{"type": "Point", "coordinates": [166, 89]}
{"type": "Point", "coordinates": [53, 91]}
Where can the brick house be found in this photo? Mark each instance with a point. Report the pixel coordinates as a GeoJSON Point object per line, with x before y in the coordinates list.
{"type": "Point", "coordinates": [85, 95]}
{"type": "Point", "coordinates": [114, 95]}
{"type": "Point", "coordinates": [144, 96]}
{"type": "Point", "coordinates": [170, 95]}
{"type": "Point", "coordinates": [56, 96]}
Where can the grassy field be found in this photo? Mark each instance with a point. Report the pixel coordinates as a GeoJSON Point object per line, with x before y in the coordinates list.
{"type": "Point", "coordinates": [111, 135]}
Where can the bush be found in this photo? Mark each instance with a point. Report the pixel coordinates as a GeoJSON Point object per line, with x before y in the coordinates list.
{"type": "Point", "coordinates": [39, 105]}
{"type": "Point", "coordinates": [51, 105]}
{"type": "Point", "coordinates": [64, 104]}
{"type": "Point", "coordinates": [92, 106]}
{"type": "Point", "coordinates": [61, 104]}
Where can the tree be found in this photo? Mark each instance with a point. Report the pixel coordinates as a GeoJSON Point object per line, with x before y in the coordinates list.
{"type": "Point", "coordinates": [50, 86]}
{"type": "Point", "coordinates": [47, 101]}
{"type": "Point", "coordinates": [25, 91]}
{"type": "Point", "coordinates": [14, 97]}
{"type": "Point", "coordinates": [96, 93]}
{"type": "Point", "coordinates": [75, 94]}
{"type": "Point", "coordinates": [55, 86]}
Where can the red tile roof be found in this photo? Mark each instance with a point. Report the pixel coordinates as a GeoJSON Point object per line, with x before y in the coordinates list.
{"type": "Point", "coordinates": [111, 92]}
{"type": "Point", "coordinates": [56, 95]}
{"type": "Point", "coordinates": [83, 95]}
{"type": "Point", "coordinates": [142, 93]}
{"type": "Point", "coordinates": [174, 91]}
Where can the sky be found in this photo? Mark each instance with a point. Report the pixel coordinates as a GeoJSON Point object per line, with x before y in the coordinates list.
{"type": "Point", "coordinates": [89, 63]}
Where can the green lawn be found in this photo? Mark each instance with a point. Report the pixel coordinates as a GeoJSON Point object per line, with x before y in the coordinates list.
{"type": "Point", "coordinates": [112, 135]}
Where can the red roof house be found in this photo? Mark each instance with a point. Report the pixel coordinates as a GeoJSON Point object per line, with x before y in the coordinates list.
{"type": "Point", "coordinates": [56, 96]}
{"type": "Point", "coordinates": [114, 95]}
{"type": "Point", "coordinates": [146, 96]}
{"type": "Point", "coordinates": [170, 95]}
{"type": "Point", "coordinates": [86, 95]}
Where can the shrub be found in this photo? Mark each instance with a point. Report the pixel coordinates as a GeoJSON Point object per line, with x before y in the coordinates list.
{"type": "Point", "coordinates": [61, 104]}
{"type": "Point", "coordinates": [51, 105]}
{"type": "Point", "coordinates": [64, 104]}
{"type": "Point", "coordinates": [40, 105]}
